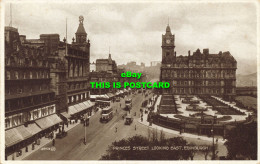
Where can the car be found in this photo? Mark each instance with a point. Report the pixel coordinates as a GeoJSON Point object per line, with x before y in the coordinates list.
{"type": "Point", "coordinates": [128, 120]}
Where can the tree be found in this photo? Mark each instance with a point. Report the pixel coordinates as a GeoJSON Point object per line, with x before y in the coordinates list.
{"type": "Point", "coordinates": [192, 152]}
{"type": "Point", "coordinates": [206, 152]}
{"type": "Point", "coordinates": [162, 136]}
{"type": "Point", "coordinates": [242, 142]}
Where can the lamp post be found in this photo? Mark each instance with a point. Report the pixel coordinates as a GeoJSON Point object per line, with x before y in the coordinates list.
{"type": "Point", "coordinates": [85, 125]}
{"type": "Point", "coordinates": [213, 145]}
{"type": "Point", "coordinates": [85, 137]}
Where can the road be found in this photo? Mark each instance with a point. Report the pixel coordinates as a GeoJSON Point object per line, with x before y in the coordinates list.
{"type": "Point", "coordinates": [100, 136]}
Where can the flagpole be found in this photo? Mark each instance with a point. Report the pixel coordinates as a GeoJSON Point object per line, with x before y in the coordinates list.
{"type": "Point", "coordinates": [10, 15]}
{"type": "Point", "coordinates": [66, 39]}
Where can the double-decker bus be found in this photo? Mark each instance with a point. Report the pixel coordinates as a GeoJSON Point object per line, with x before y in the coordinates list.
{"type": "Point", "coordinates": [128, 104]}
{"type": "Point", "coordinates": [106, 114]}
{"type": "Point", "coordinates": [103, 103]}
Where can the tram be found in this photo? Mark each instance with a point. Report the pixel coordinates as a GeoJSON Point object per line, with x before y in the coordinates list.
{"type": "Point", "coordinates": [128, 104]}
{"type": "Point", "coordinates": [106, 114]}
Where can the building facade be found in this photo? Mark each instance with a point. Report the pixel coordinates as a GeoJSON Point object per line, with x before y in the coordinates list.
{"type": "Point", "coordinates": [46, 80]}
{"type": "Point", "coordinates": [107, 65]}
{"type": "Point", "coordinates": [29, 100]}
{"type": "Point", "coordinates": [199, 73]}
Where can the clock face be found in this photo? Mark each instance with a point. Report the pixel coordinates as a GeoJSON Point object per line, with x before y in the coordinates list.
{"type": "Point", "coordinates": [168, 41]}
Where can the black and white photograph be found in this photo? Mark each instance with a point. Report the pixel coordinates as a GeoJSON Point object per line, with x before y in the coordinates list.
{"type": "Point", "coordinates": [129, 81]}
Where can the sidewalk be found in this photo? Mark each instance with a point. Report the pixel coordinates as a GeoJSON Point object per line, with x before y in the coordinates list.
{"type": "Point", "coordinates": [43, 141]}
{"type": "Point", "coordinates": [205, 138]}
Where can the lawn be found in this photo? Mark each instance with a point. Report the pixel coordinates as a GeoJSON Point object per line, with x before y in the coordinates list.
{"type": "Point", "coordinates": [247, 101]}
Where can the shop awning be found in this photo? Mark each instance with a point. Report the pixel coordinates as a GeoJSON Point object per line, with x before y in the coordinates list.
{"type": "Point", "coordinates": [91, 103]}
{"type": "Point", "coordinates": [102, 97]}
{"type": "Point", "coordinates": [24, 132]}
{"type": "Point", "coordinates": [79, 109]}
{"type": "Point", "coordinates": [93, 96]}
{"type": "Point", "coordinates": [12, 137]}
{"type": "Point", "coordinates": [121, 91]}
{"type": "Point", "coordinates": [103, 101]}
{"type": "Point", "coordinates": [110, 95]}
{"type": "Point", "coordinates": [83, 106]}
{"type": "Point", "coordinates": [117, 93]}
{"type": "Point", "coordinates": [20, 133]}
{"type": "Point", "coordinates": [48, 121]}
{"type": "Point", "coordinates": [72, 110]}
{"type": "Point", "coordinates": [33, 128]}
{"type": "Point", "coordinates": [65, 114]}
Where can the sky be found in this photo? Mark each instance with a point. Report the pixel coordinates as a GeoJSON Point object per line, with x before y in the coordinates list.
{"type": "Point", "coordinates": [133, 31]}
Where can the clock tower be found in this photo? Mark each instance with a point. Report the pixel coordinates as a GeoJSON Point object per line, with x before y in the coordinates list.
{"type": "Point", "coordinates": [168, 46]}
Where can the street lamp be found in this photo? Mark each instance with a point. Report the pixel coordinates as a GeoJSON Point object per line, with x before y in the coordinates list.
{"type": "Point", "coordinates": [86, 123]}
{"type": "Point", "coordinates": [212, 132]}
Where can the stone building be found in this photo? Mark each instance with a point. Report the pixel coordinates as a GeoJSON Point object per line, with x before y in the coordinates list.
{"type": "Point", "coordinates": [107, 65]}
{"type": "Point", "coordinates": [30, 105]}
{"type": "Point", "coordinates": [70, 71]}
{"type": "Point", "coordinates": [45, 80]}
{"type": "Point", "coordinates": [201, 73]}
{"type": "Point", "coordinates": [103, 77]}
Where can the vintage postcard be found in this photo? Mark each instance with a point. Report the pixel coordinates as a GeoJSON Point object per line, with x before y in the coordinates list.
{"type": "Point", "coordinates": [129, 81]}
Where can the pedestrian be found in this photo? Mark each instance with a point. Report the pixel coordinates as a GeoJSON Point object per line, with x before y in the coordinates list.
{"type": "Point", "coordinates": [51, 135]}
{"type": "Point", "coordinates": [53, 142]}
{"type": "Point", "coordinates": [116, 129]}
{"type": "Point", "coordinates": [135, 127]}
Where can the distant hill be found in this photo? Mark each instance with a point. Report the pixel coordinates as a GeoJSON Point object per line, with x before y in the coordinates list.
{"type": "Point", "coordinates": [247, 80]}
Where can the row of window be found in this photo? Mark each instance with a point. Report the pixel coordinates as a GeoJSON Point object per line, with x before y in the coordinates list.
{"type": "Point", "coordinates": [197, 64]}
{"type": "Point", "coordinates": [197, 75]}
{"type": "Point", "coordinates": [14, 61]}
{"type": "Point", "coordinates": [76, 52]}
{"type": "Point", "coordinates": [202, 83]}
{"type": "Point", "coordinates": [15, 104]}
{"type": "Point", "coordinates": [77, 70]}
{"type": "Point", "coordinates": [192, 91]}
{"type": "Point", "coordinates": [78, 98]}
{"type": "Point", "coordinates": [25, 89]}
{"type": "Point", "coordinates": [77, 86]}
{"type": "Point", "coordinates": [26, 75]}
{"type": "Point", "coordinates": [19, 119]}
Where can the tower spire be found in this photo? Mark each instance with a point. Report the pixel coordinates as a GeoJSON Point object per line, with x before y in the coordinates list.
{"type": "Point", "coordinates": [81, 35]}
{"type": "Point", "coordinates": [66, 30]}
{"type": "Point", "coordinates": [109, 55]}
